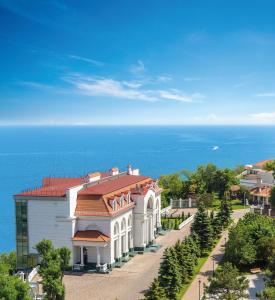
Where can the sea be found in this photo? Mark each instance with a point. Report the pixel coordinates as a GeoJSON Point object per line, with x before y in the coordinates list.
{"type": "Point", "coordinates": [27, 154]}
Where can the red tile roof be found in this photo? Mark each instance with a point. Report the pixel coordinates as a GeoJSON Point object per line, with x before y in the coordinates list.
{"type": "Point", "coordinates": [53, 187]}
{"type": "Point", "coordinates": [95, 199]}
{"type": "Point", "coordinates": [90, 236]}
{"type": "Point", "coordinates": [262, 163]}
{"type": "Point", "coordinates": [111, 186]}
{"type": "Point", "coordinates": [262, 192]}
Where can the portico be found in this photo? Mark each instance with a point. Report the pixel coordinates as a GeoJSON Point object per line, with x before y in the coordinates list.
{"type": "Point", "coordinates": [91, 247]}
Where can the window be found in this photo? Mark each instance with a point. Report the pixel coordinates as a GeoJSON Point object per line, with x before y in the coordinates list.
{"type": "Point", "coordinates": [21, 234]}
{"type": "Point", "coordinates": [121, 200]}
{"type": "Point", "coordinates": [128, 198]}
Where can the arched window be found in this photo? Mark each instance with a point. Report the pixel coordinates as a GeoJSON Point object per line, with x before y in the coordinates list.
{"type": "Point", "coordinates": [150, 202]}
{"type": "Point", "coordinates": [116, 229]}
{"type": "Point", "coordinates": [130, 221]}
{"type": "Point", "coordinates": [123, 224]}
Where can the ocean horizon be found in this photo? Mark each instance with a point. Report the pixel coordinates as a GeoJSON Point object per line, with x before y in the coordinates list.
{"type": "Point", "coordinates": [29, 153]}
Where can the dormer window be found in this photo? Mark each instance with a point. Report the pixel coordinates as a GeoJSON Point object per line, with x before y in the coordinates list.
{"type": "Point", "coordinates": [128, 198]}
{"type": "Point", "coordinates": [113, 203]}
{"type": "Point", "coordinates": [121, 200]}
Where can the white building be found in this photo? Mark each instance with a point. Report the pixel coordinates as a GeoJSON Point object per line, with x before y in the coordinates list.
{"type": "Point", "coordinates": [99, 217]}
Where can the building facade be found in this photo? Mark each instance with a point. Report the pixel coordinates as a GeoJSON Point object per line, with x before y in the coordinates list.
{"type": "Point", "coordinates": [100, 217]}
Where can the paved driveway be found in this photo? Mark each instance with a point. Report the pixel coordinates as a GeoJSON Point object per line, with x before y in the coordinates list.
{"type": "Point", "coordinates": [126, 283]}
{"type": "Point", "coordinates": [192, 292]}
{"type": "Point", "coordinates": [256, 284]}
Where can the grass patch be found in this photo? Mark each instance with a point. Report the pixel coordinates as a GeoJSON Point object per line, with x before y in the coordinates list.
{"type": "Point", "coordinates": [236, 204]}
{"type": "Point", "coordinates": [197, 268]}
{"type": "Point", "coordinates": [201, 262]}
{"type": "Point", "coordinates": [172, 222]}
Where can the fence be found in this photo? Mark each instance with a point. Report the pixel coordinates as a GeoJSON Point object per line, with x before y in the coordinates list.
{"type": "Point", "coordinates": [185, 222]}
{"type": "Point", "coordinates": [183, 203]}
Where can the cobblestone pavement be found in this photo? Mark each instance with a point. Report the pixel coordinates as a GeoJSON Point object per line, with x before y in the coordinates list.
{"type": "Point", "coordinates": [126, 283]}
{"type": "Point", "coordinates": [207, 269]}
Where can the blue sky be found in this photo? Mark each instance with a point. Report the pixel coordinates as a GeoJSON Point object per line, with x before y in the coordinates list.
{"type": "Point", "coordinates": [137, 62]}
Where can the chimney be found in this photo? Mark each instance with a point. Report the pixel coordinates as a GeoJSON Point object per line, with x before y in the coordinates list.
{"type": "Point", "coordinates": [91, 177]}
{"type": "Point", "coordinates": [129, 170]}
{"type": "Point", "coordinates": [113, 171]}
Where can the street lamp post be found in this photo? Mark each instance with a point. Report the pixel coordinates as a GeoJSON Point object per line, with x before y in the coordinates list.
{"type": "Point", "coordinates": [199, 289]}
{"type": "Point", "coordinates": [213, 259]}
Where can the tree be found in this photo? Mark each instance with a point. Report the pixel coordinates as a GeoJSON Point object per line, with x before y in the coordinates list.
{"type": "Point", "coordinates": [52, 266]}
{"type": "Point", "coordinates": [187, 258]}
{"type": "Point", "coordinates": [169, 273]}
{"type": "Point", "coordinates": [155, 291]}
{"type": "Point", "coordinates": [267, 294]}
{"type": "Point", "coordinates": [272, 198]}
{"type": "Point", "coordinates": [224, 214]}
{"type": "Point", "coordinates": [13, 288]}
{"type": "Point", "coordinates": [202, 227]}
{"type": "Point", "coordinates": [206, 199]}
{"type": "Point", "coordinates": [65, 255]}
{"type": "Point", "coordinates": [7, 263]}
{"type": "Point", "coordinates": [227, 284]}
{"type": "Point", "coordinates": [172, 185]}
{"type": "Point", "coordinates": [270, 166]}
{"type": "Point", "coordinates": [223, 180]}
{"type": "Point", "coordinates": [244, 247]}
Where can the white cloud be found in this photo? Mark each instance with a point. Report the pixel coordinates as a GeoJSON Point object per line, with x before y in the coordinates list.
{"type": "Point", "coordinates": [177, 95]}
{"type": "Point", "coordinates": [138, 68]}
{"type": "Point", "coordinates": [85, 59]}
{"type": "Point", "coordinates": [266, 94]}
{"type": "Point", "coordinates": [108, 87]}
{"type": "Point", "coordinates": [264, 118]}
{"type": "Point", "coordinates": [113, 88]}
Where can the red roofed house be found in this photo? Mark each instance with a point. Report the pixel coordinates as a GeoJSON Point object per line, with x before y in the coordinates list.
{"type": "Point", "coordinates": [99, 217]}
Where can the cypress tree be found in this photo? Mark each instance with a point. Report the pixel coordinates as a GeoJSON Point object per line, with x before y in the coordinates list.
{"type": "Point", "coordinates": [224, 215]}
{"type": "Point", "coordinates": [189, 258]}
{"type": "Point", "coordinates": [215, 223]}
{"type": "Point", "coordinates": [155, 291]}
{"type": "Point", "coordinates": [202, 227]}
{"type": "Point", "coordinates": [169, 273]}
{"type": "Point", "coordinates": [181, 258]}
{"type": "Point", "coordinates": [193, 243]}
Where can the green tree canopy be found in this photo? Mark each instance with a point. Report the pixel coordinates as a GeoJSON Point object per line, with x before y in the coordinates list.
{"type": "Point", "coordinates": [169, 273]}
{"type": "Point", "coordinates": [202, 227]}
{"type": "Point", "coordinates": [227, 284]}
{"type": "Point", "coordinates": [155, 291]}
{"type": "Point", "coordinates": [272, 198]}
{"type": "Point", "coordinates": [52, 266]}
{"type": "Point", "coordinates": [244, 247]}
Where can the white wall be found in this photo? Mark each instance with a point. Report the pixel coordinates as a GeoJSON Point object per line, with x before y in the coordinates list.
{"type": "Point", "coordinates": [49, 219]}
{"type": "Point", "coordinates": [94, 223]}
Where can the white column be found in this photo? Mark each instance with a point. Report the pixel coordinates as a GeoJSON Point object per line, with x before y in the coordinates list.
{"type": "Point", "coordinates": [97, 257]}
{"type": "Point", "coordinates": [119, 246]}
{"type": "Point", "coordinates": [189, 202]}
{"type": "Point", "coordinates": [81, 256]}
{"type": "Point", "coordinates": [126, 241]}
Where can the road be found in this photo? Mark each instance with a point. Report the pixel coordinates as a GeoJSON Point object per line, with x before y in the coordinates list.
{"type": "Point", "coordinates": [126, 283]}
{"type": "Point", "coordinates": [207, 268]}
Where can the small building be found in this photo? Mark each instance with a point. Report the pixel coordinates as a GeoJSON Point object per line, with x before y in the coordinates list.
{"type": "Point", "coordinates": [100, 217]}
{"type": "Point", "coordinates": [261, 195]}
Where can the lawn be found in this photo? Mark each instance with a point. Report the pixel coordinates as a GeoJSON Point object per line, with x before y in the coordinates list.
{"type": "Point", "coordinates": [236, 204]}
{"type": "Point", "coordinates": [197, 268]}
